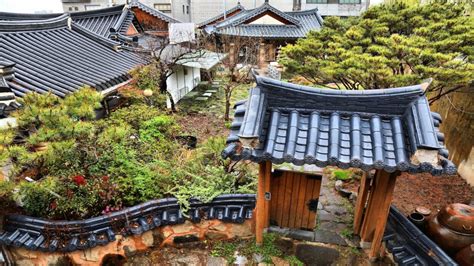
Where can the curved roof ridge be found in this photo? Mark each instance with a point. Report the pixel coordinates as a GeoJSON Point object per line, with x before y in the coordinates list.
{"type": "Point", "coordinates": [221, 15]}
{"type": "Point", "coordinates": [26, 16]}
{"type": "Point", "coordinates": [302, 12]}
{"type": "Point", "coordinates": [152, 11]}
{"type": "Point", "coordinates": [99, 12]}
{"type": "Point", "coordinates": [265, 81]}
{"type": "Point", "coordinates": [39, 24]}
{"type": "Point", "coordinates": [263, 8]}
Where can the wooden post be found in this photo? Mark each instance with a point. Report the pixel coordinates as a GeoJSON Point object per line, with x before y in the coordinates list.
{"type": "Point", "coordinates": [376, 199]}
{"type": "Point", "coordinates": [260, 212]}
{"type": "Point", "coordinates": [268, 173]}
{"type": "Point", "coordinates": [361, 201]}
{"type": "Point", "coordinates": [382, 216]}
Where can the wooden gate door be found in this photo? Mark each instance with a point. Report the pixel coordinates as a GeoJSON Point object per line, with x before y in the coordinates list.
{"type": "Point", "coordinates": [294, 199]}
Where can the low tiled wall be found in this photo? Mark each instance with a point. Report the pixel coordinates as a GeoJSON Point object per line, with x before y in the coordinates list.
{"type": "Point", "coordinates": [126, 246]}
{"type": "Point", "coordinates": [154, 223]}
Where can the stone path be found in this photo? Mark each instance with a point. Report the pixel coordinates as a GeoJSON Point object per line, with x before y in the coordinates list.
{"type": "Point", "coordinates": [334, 216]}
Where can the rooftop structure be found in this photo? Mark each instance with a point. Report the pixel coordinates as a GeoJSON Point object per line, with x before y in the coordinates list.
{"type": "Point", "coordinates": [263, 22]}
{"type": "Point", "coordinates": [59, 55]}
{"type": "Point", "coordinates": [388, 129]}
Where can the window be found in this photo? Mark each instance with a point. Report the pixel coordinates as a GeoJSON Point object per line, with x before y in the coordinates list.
{"type": "Point", "coordinates": [184, 10]}
{"type": "Point", "coordinates": [349, 1]}
{"type": "Point", "coordinates": [316, 1]}
{"type": "Point", "coordinates": [70, 8]}
{"type": "Point", "coordinates": [76, 8]}
{"type": "Point", "coordinates": [187, 9]}
{"type": "Point", "coordinates": [165, 8]}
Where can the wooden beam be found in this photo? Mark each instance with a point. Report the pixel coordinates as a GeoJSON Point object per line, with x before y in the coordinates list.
{"type": "Point", "coordinates": [382, 215]}
{"type": "Point", "coordinates": [260, 208]}
{"type": "Point", "coordinates": [361, 201]}
{"type": "Point", "coordinates": [268, 174]}
{"type": "Point", "coordinates": [376, 199]}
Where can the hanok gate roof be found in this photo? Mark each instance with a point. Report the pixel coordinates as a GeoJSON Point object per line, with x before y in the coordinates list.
{"type": "Point", "coordinates": [59, 55]}
{"type": "Point", "coordinates": [371, 129]}
{"type": "Point", "coordinates": [242, 22]}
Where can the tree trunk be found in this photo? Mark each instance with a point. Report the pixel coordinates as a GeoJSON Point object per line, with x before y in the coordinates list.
{"type": "Point", "coordinates": [164, 89]}
{"type": "Point", "coordinates": [228, 94]}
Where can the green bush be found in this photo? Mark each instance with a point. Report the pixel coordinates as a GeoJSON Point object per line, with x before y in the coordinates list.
{"type": "Point", "coordinates": [37, 198]}
{"type": "Point", "coordinates": [157, 128]}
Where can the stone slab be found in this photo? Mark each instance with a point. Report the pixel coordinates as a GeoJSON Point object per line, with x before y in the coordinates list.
{"type": "Point", "coordinates": [207, 94]}
{"type": "Point", "coordinates": [329, 237]}
{"type": "Point", "coordinates": [316, 255]}
{"type": "Point", "coordinates": [202, 98]}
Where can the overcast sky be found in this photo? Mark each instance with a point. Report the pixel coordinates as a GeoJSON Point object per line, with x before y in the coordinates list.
{"type": "Point", "coordinates": [30, 6]}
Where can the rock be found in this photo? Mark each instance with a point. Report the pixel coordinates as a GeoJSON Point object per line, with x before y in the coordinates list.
{"type": "Point", "coordinates": [215, 235]}
{"type": "Point", "coordinates": [166, 232]}
{"type": "Point", "coordinates": [338, 184]}
{"type": "Point", "coordinates": [337, 210]}
{"type": "Point", "coordinates": [280, 262]}
{"type": "Point", "coordinates": [329, 237]}
{"type": "Point", "coordinates": [148, 239]}
{"type": "Point", "coordinates": [92, 254]}
{"type": "Point", "coordinates": [285, 246]}
{"type": "Point", "coordinates": [188, 260]}
{"type": "Point", "coordinates": [22, 253]}
{"type": "Point", "coordinates": [241, 230]}
{"type": "Point", "coordinates": [216, 261]}
{"type": "Point", "coordinates": [139, 261]}
{"type": "Point", "coordinates": [183, 228]}
{"type": "Point", "coordinates": [324, 215]}
{"type": "Point", "coordinates": [129, 251]}
{"type": "Point", "coordinates": [220, 226]}
{"type": "Point", "coordinates": [316, 255]}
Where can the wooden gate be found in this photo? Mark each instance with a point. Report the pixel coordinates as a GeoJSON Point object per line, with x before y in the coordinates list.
{"type": "Point", "coordinates": [294, 199]}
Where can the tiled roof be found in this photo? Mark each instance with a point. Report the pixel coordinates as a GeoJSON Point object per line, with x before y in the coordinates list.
{"type": "Point", "coordinates": [59, 55]}
{"type": "Point", "coordinates": [214, 19]}
{"type": "Point", "coordinates": [105, 21]}
{"type": "Point", "coordinates": [370, 129]}
{"type": "Point", "coordinates": [152, 11]}
{"type": "Point", "coordinates": [299, 24]}
{"type": "Point", "coordinates": [409, 245]}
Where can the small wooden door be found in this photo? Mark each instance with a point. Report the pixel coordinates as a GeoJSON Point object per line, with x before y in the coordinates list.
{"type": "Point", "coordinates": [294, 199]}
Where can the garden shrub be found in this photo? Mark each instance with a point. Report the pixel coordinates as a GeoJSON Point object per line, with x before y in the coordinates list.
{"type": "Point", "coordinates": [135, 148]}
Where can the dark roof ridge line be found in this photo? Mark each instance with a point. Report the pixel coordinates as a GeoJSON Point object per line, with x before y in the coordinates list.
{"type": "Point", "coordinates": [362, 115]}
{"type": "Point", "coordinates": [28, 25]}
{"type": "Point", "coordinates": [221, 15]}
{"type": "Point", "coordinates": [99, 12]}
{"type": "Point", "coordinates": [24, 16]}
{"type": "Point", "coordinates": [265, 7]}
{"type": "Point", "coordinates": [264, 81]}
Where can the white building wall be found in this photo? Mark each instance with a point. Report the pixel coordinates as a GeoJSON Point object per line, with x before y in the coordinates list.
{"type": "Point", "coordinates": [179, 83]}
{"type": "Point", "coordinates": [341, 10]}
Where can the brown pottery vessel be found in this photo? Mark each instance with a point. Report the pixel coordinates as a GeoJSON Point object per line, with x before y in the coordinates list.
{"type": "Point", "coordinates": [452, 228]}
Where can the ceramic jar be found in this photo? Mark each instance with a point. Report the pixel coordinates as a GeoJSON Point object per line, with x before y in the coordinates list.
{"type": "Point", "coordinates": [452, 228]}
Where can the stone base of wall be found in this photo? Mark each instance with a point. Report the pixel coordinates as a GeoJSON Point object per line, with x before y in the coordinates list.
{"type": "Point", "coordinates": [128, 246]}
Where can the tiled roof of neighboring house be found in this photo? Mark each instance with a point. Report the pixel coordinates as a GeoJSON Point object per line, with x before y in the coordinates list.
{"type": "Point", "coordinates": [296, 24]}
{"type": "Point", "coordinates": [7, 97]}
{"type": "Point", "coordinates": [152, 11]}
{"type": "Point", "coordinates": [221, 16]}
{"type": "Point", "coordinates": [61, 56]}
{"type": "Point", "coordinates": [106, 21]}
{"type": "Point", "coordinates": [409, 245]}
{"type": "Point", "coordinates": [370, 129]}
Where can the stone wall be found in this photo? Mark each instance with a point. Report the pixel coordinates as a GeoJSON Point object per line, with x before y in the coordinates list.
{"type": "Point", "coordinates": [127, 246]}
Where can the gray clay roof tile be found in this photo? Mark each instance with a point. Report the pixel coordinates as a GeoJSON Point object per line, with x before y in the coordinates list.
{"type": "Point", "coordinates": [302, 125]}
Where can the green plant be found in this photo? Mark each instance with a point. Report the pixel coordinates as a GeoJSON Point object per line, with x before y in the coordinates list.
{"type": "Point", "coordinates": [347, 233]}
{"type": "Point", "coordinates": [226, 250]}
{"type": "Point", "coordinates": [267, 250]}
{"type": "Point", "coordinates": [37, 198]}
{"type": "Point", "coordinates": [157, 128]}
{"type": "Point", "coordinates": [294, 261]}
{"type": "Point", "coordinates": [342, 174]}
{"type": "Point", "coordinates": [389, 46]}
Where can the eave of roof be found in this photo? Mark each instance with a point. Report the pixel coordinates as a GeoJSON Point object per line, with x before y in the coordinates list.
{"type": "Point", "coordinates": [152, 11]}
{"type": "Point", "coordinates": [371, 129]}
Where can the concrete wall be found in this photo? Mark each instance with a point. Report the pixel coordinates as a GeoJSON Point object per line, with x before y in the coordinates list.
{"type": "Point", "coordinates": [343, 10]}
{"type": "Point", "coordinates": [179, 83]}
